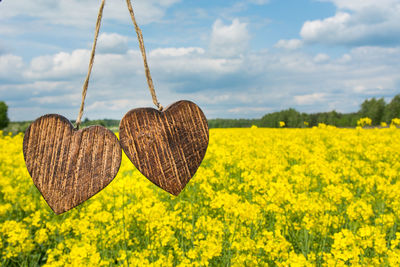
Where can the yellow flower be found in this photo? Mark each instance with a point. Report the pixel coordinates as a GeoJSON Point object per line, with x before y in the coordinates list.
{"type": "Point", "coordinates": [41, 236]}
{"type": "Point", "coordinates": [364, 121]}
{"type": "Point", "coordinates": [286, 197]}
{"type": "Point", "coordinates": [395, 121]}
{"type": "Point", "coordinates": [359, 210]}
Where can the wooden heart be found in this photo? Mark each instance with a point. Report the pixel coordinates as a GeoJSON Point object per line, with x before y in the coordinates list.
{"type": "Point", "coordinates": [167, 147]}
{"type": "Point", "coordinates": [69, 166]}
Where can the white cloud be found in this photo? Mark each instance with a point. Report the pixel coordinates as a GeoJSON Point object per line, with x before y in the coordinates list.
{"type": "Point", "coordinates": [229, 40]}
{"type": "Point", "coordinates": [196, 65]}
{"type": "Point", "coordinates": [112, 43]}
{"type": "Point", "coordinates": [259, 2]}
{"type": "Point", "coordinates": [248, 110]}
{"type": "Point", "coordinates": [361, 4]}
{"type": "Point", "coordinates": [116, 105]}
{"type": "Point", "coordinates": [312, 31]}
{"type": "Point", "coordinates": [83, 13]}
{"type": "Point", "coordinates": [359, 89]}
{"type": "Point", "coordinates": [176, 52]}
{"type": "Point", "coordinates": [321, 58]}
{"type": "Point", "coordinates": [292, 44]}
{"type": "Point", "coordinates": [224, 87]}
{"type": "Point", "coordinates": [359, 22]}
{"type": "Point", "coordinates": [226, 80]}
{"type": "Point", "coordinates": [59, 66]}
{"type": "Point", "coordinates": [310, 99]}
{"type": "Point", "coordinates": [344, 59]}
{"type": "Point", "coordinates": [10, 67]}
{"type": "Point", "coordinates": [57, 100]}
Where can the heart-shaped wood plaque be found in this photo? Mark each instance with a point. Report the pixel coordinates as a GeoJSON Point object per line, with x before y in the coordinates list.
{"type": "Point", "coordinates": [167, 147]}
{"type": "Point", "coordinates": [69, 166]}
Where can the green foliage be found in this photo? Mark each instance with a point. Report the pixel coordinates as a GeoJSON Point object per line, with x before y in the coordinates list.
{"type": "Point", "coordinates": [3, 115]}
{"type": "Point", "coordinates": [392, 110]}
{"type": "Point", "coordinates": [373, 109]}
{"type": "Point", "coordinates": [295, 119]}
{"type": "Point", "coordinates": [291, 117]}
{"type": "Point", "coordinates": [334, 118]}
{"type": "Point", "coordinates": [17, 127]}
{"type": "Point", "coordinates": [232, 123]}
{"type": "Point", "coordinates": [108, 123]}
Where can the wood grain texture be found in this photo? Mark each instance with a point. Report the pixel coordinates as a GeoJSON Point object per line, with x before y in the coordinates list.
{"type": "Point", "coordinates": [167, 147]}
{"type": "Point", "coordinates": [69, 166]}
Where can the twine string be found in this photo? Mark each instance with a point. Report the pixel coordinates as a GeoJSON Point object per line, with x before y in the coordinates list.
{"type": "Point", "coordinates": [92, 56]}
{"type": "Point", "coordinates": [86, 83]}
{"type": "Point", "coordinates": [143, 50]}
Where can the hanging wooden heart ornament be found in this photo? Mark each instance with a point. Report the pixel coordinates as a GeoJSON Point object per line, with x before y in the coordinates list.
{"type": "Point", "coordinates": [167, 146]}
{"type": "Point", "coordinates": [69, 165]}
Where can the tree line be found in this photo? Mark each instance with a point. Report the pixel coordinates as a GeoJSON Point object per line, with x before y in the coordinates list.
{"type": "Point", "coordinates": [376, 109]}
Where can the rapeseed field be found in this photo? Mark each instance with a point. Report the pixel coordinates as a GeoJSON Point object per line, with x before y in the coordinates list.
{"type": "Point", "coordinates": [280, 197]}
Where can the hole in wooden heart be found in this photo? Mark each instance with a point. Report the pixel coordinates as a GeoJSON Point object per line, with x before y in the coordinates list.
{"type": "Point", "coordinates": [69, 166]}
{"type": "Point", "coordinates": [167, 147]}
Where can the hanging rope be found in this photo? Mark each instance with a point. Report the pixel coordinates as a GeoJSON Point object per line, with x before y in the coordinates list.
{"type": "Point", "coordinates": [143, 50]}
{"type": "Point", "coordinates": [86, 83]}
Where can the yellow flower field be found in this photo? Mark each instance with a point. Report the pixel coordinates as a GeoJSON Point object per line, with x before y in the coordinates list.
{"type": "Point", "coordinates": [300, 197]}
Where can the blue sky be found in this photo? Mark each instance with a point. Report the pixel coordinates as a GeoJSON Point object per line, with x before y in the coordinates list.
{"type": "Point", "coordinates": [235, 59]}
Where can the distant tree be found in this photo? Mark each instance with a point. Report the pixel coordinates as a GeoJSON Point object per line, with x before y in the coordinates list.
{"type": "Point", "coordinates": [270, 120]}
{"type": "Point", "coordinates": [232, 123]}
{"type": "Point", "coordinates": [393, 109]}
{"type": "Point", "coordinates": [373, 109]}
{"type": "Point", "coordinates": [291, 117]}
{"type": "Point", "coordinates": [333, 118]}
{"type": "Point", "coordinates": [348, 120]}
{"type": "Point", "coordinates": [3, 115]}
